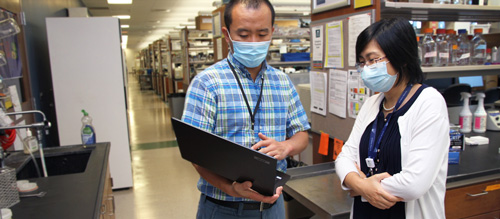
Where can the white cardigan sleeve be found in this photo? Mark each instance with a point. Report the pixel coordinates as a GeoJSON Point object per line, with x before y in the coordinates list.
{"type": "Point", "coordinates": [345, 162]}
{"type": "Point", "coordinates": [424, 145]}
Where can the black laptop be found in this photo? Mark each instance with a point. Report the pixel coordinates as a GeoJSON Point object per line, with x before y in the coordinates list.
{"type": "Point", "coordinates": [228, 159]}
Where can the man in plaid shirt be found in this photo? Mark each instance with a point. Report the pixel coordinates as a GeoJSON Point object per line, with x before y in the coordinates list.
{"type": "Point", "coordinates": [245, 100]}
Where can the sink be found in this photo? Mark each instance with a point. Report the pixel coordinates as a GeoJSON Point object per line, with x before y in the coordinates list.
{"type": "Point", "coordinates": [60, 161]}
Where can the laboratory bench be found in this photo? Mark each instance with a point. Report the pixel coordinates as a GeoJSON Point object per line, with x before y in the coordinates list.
{"type": "Point", "coordinates": [70, 192]}
{"type": "Point", "coordinates": [316, 188]}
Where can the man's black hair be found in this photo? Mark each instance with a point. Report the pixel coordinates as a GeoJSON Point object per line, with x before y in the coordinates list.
{"type": "Point", "coordinates": [250, 4]}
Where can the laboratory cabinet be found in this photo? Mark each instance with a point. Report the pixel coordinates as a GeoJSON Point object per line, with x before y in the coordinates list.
{"type": "Point", "coordinates": [473, 201]}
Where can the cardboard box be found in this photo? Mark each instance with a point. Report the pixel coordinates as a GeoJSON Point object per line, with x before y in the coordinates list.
{"type": "Point", "coordinates": [203, 22]}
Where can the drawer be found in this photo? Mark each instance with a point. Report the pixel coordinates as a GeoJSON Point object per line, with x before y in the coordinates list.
{"type": "Point", "coordinates": [472, 200]}
{"type": "Point", "coordinates": [491, 215]}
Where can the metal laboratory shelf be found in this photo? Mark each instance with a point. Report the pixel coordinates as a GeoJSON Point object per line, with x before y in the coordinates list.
{"type": "Point", "coordinates": [440, 12]}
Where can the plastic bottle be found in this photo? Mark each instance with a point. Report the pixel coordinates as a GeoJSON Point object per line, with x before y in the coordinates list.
{"type": "Point", "coordinates": [429, 49]}
{"type": "Point", "coordinates": [465, 118]}
{"type": "Point", "coordinates": [30, 143]}
{"type": "Point", "coordinates": [480, 115]}
{"type": "Point", "coordinates": [453, 47]}
{"type": "Point", "coordinates": [494, 55]}
{"type": "Point", "coordinates": [87, 131]}
{"type": "Point", "coordinates": [442, 1]}
{"type": "Point", "coordinates": [463, 48]}
{"type": "Point", "coordinates": [479, 47]}
{"type": "Point", "coordinates": [442, 48]}
{"type": "Point", "coordinates": [488, 57]}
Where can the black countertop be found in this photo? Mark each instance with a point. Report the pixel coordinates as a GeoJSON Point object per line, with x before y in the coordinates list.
{"type": "Point", "coordinates": [77, 195]}
{"type": "Point", "coordinates": [317, 187]}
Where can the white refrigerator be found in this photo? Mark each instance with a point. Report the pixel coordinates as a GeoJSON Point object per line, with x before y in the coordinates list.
{"type": "Point", "coordinates": [88, 73]}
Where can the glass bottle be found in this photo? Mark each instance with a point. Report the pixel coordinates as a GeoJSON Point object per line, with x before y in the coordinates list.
{"type": "Point", "coordinates": [463, 48]}
{"type": "Point", "coordinates": [479, 47]}
{"type": "Point", "coordinates": [443, 48]}
{"type": "Point", "coordinates": [452, 46]}
{"type": "Point", "coordinates": [429, 49]}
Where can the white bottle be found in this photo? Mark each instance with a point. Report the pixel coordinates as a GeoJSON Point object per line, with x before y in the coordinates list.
{"type": "Point", "coordinates": [494, 55]}
{"type": "Point", "coordinates": [30, 143]}
{"type": "Point", "coordinates": [465, 119]}
{"type": "Point", "coordinates": [480, 115]}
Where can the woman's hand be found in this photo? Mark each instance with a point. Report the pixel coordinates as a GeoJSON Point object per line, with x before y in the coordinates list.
{"type": "Point", "coordinates": [373, 192]}
{"type": "Point", "coordinates": [370, 189]}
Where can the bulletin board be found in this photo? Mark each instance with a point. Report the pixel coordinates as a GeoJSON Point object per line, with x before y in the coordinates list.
{"type": "Point", "coordinates": [337, 126]}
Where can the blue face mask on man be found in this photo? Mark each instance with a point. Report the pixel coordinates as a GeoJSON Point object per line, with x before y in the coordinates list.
{"type": "Point", "coordinates": [376, 77]}
{"type": "Point", "coordinates": [250, 54]}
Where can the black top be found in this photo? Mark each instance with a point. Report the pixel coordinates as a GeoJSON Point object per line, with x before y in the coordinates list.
{"type": "Point", "coordinates": [388, 160]}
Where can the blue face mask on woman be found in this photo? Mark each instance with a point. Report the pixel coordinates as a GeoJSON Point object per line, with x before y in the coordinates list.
{"type": "Point", "coordinates": [250, 54]}
{"type": "Point", "coordinates": [376, 78]}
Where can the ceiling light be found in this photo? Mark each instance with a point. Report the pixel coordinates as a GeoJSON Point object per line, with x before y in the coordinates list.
{"type": "Point", "coordinates": [168, 10]}
{"type": "Point", "coordinates": [124, 26]}
{"type": "Point", "coordinates": [119, 1]}
{"type": "Point", "coordinates": [122, 16]}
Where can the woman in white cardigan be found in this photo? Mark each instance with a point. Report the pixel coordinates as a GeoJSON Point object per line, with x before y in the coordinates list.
{"type": "Point", "coordinates": [395, 160]}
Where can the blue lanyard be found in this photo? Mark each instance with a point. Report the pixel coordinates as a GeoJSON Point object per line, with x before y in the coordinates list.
{"type": "Point", "coordinates": [372, 152]}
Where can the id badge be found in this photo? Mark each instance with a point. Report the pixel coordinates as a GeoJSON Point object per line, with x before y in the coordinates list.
{"type": "Point", "coordinates": [370, 163]}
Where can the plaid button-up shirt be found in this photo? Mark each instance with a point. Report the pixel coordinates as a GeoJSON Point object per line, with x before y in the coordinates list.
{"type": "Point", "coordinates": [215, 103]}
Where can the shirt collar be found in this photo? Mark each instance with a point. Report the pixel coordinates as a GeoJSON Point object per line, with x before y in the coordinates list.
{"type": "Point", "coordinates": [242, 69]}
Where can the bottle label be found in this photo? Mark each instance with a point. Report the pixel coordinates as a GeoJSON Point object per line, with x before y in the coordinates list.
{"type": "Point", "coordinates": [479, 121]}
{"type": "Point", "coordinates": [465, 56]}
{"type": "Point", "coordinates": [430, 54]}
{"type": "Point", "coordinates": [481, 46]}
{"type": "Point", "coordinates": [464, 122]}
{"type": "Point", "coordinates": [33, 145]}
{"type": "Point", "coordinates": [444, 55]}
{"type": "Point", "coordinates": [88, 135]}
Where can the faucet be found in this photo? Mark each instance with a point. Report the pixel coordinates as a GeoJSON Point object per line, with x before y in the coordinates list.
{"type": "Point", "coordinates": [40, 126]}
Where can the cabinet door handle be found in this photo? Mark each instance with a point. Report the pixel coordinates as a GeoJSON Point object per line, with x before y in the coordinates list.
{"type": "Point", "coordinates": [103, 209]}
{"type": "Point", "coordinates": [477, 194]}
{"type": "Point", "coordinates": [112, 199]}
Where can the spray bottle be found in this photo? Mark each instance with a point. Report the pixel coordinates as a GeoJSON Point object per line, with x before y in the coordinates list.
{"type": "Point", "coordinates": [480, 115]}
{"type": "Point", "coordinates": [88, 131]}
{"type": "Point", "coordinates": [465, 114]}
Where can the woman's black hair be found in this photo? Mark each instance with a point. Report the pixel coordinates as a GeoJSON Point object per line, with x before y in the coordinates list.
{"type": "Point", "coordinates": [398, 40]}
{"type": "Point", "coordinates": [253, 4]}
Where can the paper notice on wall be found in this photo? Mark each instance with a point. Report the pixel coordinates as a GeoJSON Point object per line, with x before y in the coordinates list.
{"type": "Point", "coordinates": [337, 98]}
{"type": "Point", "coordinates": [318, 92]}
{"type": "Point", "coordinates": [318, 46]}
{"type": "Point", "coordinates": [334, 46]}
{"type": "Point", "coordinates": [357, 93]}
{"type": "Point", "coordinates": [357, 24]}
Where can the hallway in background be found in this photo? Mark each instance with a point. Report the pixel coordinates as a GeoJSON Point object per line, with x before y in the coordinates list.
{"type": "Point", "coordinates": [164, 183]}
